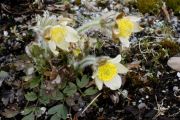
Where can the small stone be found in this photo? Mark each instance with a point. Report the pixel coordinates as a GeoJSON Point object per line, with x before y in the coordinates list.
{"type": "Point", "coordinates": [125, 93]}
{"type": "Point", "coordinates": [142, 98]}
{"type": "Point", "coordinates": [134, 103]}
{"type": "Point", "coordinates": [140, 101]}
{"type": "Point", "coordinates": [175, 88]}
{"type": "Point", "coordinates": [159, 74]}
{"type": "Point", "coordinates": [126, 10]}
{"type": "Point", "coordinates": [24, 34]}
{"type": "Point", "coordinates": [178, 74]}
{"type": "Point", "coordinates": [147, 97]}
{"type": "Point", "coordinates": [30, 71]}
{"type": "Point", "coordinates": [163, 91]}
{"type": "Point", "coordinates": [5, 33]}
{"type": "Point", "coordinates": [174, 63]}
{"type": "Point", "coordinates": [43, 109]}
{"type": "Point", "coordinates": [142, 105]}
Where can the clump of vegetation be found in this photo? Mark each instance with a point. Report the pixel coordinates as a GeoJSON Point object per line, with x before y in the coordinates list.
{"type": "Point", "coordinates": [59, 56]}
{"type": "Point", "coordinates": [149, 6]}
{"type": "Point", "coordinates": [174, 4]}
{"type": "Point", "coordinates": [150, 53]}
{"type": "Point", "coordinates": [171, 46]}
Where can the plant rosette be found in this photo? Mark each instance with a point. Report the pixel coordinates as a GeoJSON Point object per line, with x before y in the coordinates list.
{"type": "Point", "coordinates": [125, 26]}
{"type": "Point", "coordinates": [107, 72]}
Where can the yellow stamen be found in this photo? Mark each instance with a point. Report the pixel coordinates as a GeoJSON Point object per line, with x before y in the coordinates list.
{"type": "Point", "coordinates": [107, 72]}
{"type": "Point", "coordinates": [58, 34]}
{"type": "Point", "coordinates": [125, 27]}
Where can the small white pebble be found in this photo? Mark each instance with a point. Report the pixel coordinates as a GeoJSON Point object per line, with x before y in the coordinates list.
{"type": "Point", "coordinates": [142, 105]}
{"type": "Point", "coordinates": [126, 10]}
{"type": "Point", "coordinates": [43, 109]}
{"type": "Point", "coordinates": [30, 71]}
{"type": "Point", "coordinates": [159, 74]}
{"type": "Point", "coordinates": [175, 80]}
{"type": "Point", "coordinates": [178, 74]}
{"type": "Point", "coordinates": [124, 93]}
{"type": "Point", "coordinates": [163, 91]}
{"type": "Point", "coordinates": [147, 97]}
{"type": "Point", "coordinates": [5, 33]}
{"type": "Point", "coordinates": [175, 88]}
{"type": "Point", "coordinates": [134, 103]}
{"type": "Point", "coordinates": [140, 101]}
{"type": "Point", "coordinates": [24, 34]}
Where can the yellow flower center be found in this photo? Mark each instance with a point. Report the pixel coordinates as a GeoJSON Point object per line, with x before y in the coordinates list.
{"type": "Point", "coordinates": [125, 27]}
{"type": "Point", "coordinates": [107, 72]}
{"type": "Point", "coordinates": [58, 34]}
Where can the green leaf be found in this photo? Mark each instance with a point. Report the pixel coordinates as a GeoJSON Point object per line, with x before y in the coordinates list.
{"type": "Point", "coordinates": [29, 117]}
{"type": "Point", "coordinates": [57, 95]}
{"type": "Point", "coordinates": [43, 97]}
{"type": "Point", "coordinates": [58, 110]}
{"type": "Point", "coordinates": [90, 91]}
{"type": "Point", "coordinates": [83, 82]}
{"type": "Point", "coordinates": [27, 110]}
{"type": "Point", "coordinates": [31, 96]}
{"type": "Point", "coordinates": [55, 117]}
{"type": "Point", "coordinates": [36, 51]}
{"type": "Point", "coordinates": [53, 109]}
{"type": "Point", "coordinates": [70, 89]}
{"type": "Point", "coordinates": [38, 111]}
{"type": "Point", "coordinates": [62, 85]}
{"type": "Point", "coordinates": [62, 112]}
{"type": "Point", "coordinates": [35, 82]}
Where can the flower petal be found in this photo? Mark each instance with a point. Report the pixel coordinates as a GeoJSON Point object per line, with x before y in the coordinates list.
{"type": "Point", "coordinates": [117, 59]}
{"type": "Point", "coordinates": [133, 18]}
{"type": "Point", "coordinates": [125, 41]}
{"type": "Point", "coordinates": [121, 68]}
{"type": "Point", "coordinates": [72, 35]}
{"type": "Point", "coordinates": [52, 47]}
{"type": "Point", "coordinates": [137, 28]}
{"type": "Point", "coordinates": [63, 45]}
{"type": "Point", "coordinates": [99, 83]}
{"type": "Point", "coordinates": [115, 83]}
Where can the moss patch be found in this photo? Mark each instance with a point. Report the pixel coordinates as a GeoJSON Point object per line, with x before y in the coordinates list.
{"type": "Point", "coordinates": [149, 6]}
{"type": "Point", "coordinates": [174, 4]}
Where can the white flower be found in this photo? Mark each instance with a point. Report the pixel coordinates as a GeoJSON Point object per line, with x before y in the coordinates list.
{"type": "Point", "coordinates": [108, 73]}
{"type": "Point", "coordinates": [125, 27]}
{"type": "Point", "coordinates": [61, 36]}
{"type": "Point", "coordinates": [53, 32]}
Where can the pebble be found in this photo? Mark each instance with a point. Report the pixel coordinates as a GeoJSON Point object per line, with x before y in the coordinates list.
{"type": "Point", "coordinates": [30, 71]}
{"type": "Point", "coordinates": [147, 97]}
{"type": "Point", "coordinates": [134, 103]}
{"type": "Point", "coordinates": [126, 10]}
{"type": "Point", "coordinates": [5, 33]}
{"type": "Point", "coordinates": [124, 93]}
{"type": "Point", "coordinates": [175, 88]}
{"type": "Point", "coordinates": [24, 34]}
{"type": "Point", "coordinates": [178, 74]}
{"type": "Point", "coordinates": [43, 109]}
{"type": "Point", "coordinates": [142, 99]}
{"type": "Point", "coordinates": [142, 105]}
{"type": "Point", "coordinates": [163, 91]}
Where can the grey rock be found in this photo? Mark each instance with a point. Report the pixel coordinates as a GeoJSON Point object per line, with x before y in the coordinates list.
{"type": "Point", "coordinates": [174, 63]}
